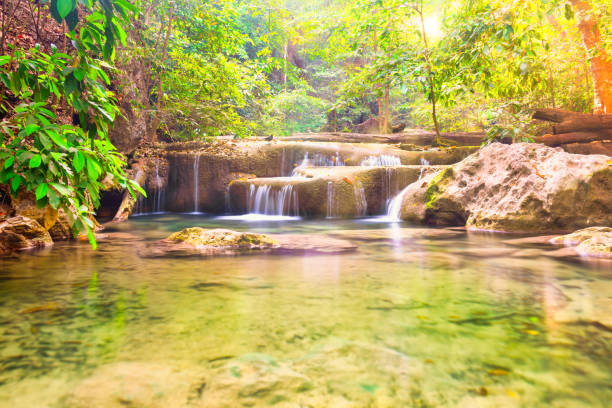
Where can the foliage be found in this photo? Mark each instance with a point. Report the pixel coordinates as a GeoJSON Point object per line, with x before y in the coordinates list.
{"type": "Point", "coordinates": [296, 112]}
{"type": "Point", "coordinates": [64, 164]}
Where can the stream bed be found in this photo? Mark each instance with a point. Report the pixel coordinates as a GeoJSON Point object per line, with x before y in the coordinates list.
{"type": "Point", "coordinates": [415, 318]}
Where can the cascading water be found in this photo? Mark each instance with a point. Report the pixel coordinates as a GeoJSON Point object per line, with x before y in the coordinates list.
{"type": "Point", "coordinates": [153, 203]}
{"type": "Point", "coordinates": [264, 200]}
{"type": "Point", "coordinates": [332, 204]}
{"type": "Point", "coordinates": [196, 183]}
{"type": "Point", "coordinates": [423, 163]}
{"type": "Point", "coordinates": [318, 160]}
{"type": "Point", "coordinates": [382, 160]}
{"type": "Point", "coordinates": [361, 203]}
{"type": "Point", "coordinates": [395, 205]}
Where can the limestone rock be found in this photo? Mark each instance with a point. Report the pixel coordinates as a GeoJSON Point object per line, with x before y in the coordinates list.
{"type": "Point", "coordinates": [62, 230]}
{"type": "Point", "coordinates": [21, 233]}
{"type": "Point", "coordinates": [221, 242]}
{"type": "Point", "coordinates": [590, 242]}
{"type": "Point", "coordinates": [516, 188]}
{"type": "Point", "coordinates": [25, 206]}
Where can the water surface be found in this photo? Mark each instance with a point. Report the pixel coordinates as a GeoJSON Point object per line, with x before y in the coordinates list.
{"type": "Point", "coordinates": [414, 318]}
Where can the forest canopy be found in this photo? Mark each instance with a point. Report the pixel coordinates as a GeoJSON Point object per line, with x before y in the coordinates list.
{"type": "Point", "coordinates": [76, 73]}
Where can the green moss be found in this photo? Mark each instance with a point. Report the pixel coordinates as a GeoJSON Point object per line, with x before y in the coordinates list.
{"type": "Point", "coordinates": [435, 186]}
{"type": "Point", "coordinates": [220, 238]}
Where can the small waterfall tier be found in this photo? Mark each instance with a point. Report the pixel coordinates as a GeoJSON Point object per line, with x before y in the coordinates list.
{"type": "Point", "coordinates": [325, 192]}
{"type": "Point", "coordinates": [382, 160]}
{"type": "Point", "coordinates": [155, 186]}
{"type": "Point", "coordinates": [269, 200]}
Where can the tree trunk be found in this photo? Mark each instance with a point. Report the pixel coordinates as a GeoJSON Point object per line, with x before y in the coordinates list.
{"type": "Point", "coordinates": [601, 65]}
{"type": "Point", "coordinates": [129, 201]}
{"type": "Point", "coordinates": [387, 122]}
{"type": "Point", "coordinates": [160, 88]}
{"type": "Point", "coordinates": [575, 137]}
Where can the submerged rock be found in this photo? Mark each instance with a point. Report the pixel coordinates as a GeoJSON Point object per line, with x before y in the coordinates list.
{"type": "Point", "coordinates": [221, 242]}
{"type": "Point", "coordinates": [515, 188]}
{"type": "Point", "coordinates": [593, 242]}
{"type": "Point", "coordinates": [21, 233]}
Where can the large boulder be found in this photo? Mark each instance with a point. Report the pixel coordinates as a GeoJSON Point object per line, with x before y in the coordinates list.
{"type": "Point", "coordinates": [222, 242]}
{"type": "Point", "coordinates": [21, 233]}
{"type": "Point", "coordinates": [516, 188]}
{"type": "Point", "coordinates": [593, 242]}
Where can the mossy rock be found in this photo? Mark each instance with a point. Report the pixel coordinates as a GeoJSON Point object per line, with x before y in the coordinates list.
{"type": "Point", "coordinates": [201, 237]}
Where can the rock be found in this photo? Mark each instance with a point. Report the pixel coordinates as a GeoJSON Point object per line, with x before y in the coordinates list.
{"type": "Point", "coordinates": [21, 233]}
{"type": "Point", "coordinates": [590, 242]}
{"type": "Point", "coordinates": [351, 190]}
{"type": "Point", "coordinates": [62, 229]}
{"type": "Point", "coordinates": [222, 162]}
{"type": "Point", "coordinates": [317, 244]}
{"type": "Point", "coordinates": [25, 206]}
{"type": "Point", "coordinates": [222, 242]}
{"type": "Point", "coordinates": [516, 188]}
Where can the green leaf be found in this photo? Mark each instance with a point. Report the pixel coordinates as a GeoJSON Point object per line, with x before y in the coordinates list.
{"type": "Point", "coordinates": [64, 7]}
{"type": "Point", "coordinates": [79, 74]}
{"type": "Point", "coordinates": [93, 169]}
{"type": "Point", "coordinates": [55, 12]}
{"type": "Point", "coordinates": [15, 183]}
{"type": "Point", "coordinates": [53, 199]}
{"type": "Point", "coordinates": [41, 191]}
{"type": "Point", "coordinates": [92, 238]}
{"type": "Point", "coordinates": [9, 162]}
{"type": "Point", "coordinates": [63, 190]}
{"type": "Point", "coordinates": [58, 139]}
{"type": "Point", "coordinates": [35, 161]}
{"type": "Point", "coordinates": [29, 129]}
{"type": "Point", "coordinates": [78, 161]}
{"type": "Point", "coordinates": [45, 141]}
{"type": "Point", "coordinates": [72, 19]}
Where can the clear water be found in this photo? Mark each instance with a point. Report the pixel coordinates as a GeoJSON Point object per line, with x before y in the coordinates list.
{"type": "Point", "coordinates": [415, 318]}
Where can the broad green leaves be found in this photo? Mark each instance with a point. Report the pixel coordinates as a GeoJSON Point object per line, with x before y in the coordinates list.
{"type": "Point", "coordinates": [62, 164]}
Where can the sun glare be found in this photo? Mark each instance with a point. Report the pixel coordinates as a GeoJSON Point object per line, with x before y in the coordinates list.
{"type": "Point", "coordinates": [433, 27]}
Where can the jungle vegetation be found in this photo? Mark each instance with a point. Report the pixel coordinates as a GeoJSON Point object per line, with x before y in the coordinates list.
{"type": "Point", "coordinates": [275, 67]}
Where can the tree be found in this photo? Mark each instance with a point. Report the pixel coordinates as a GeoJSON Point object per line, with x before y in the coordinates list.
{"type": "Point", "coordinates": [600, 60]}
{"type": "Point", "coordinates": [64, 162]}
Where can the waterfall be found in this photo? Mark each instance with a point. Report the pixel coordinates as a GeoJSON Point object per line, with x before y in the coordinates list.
{"type": "Point", "coordinates": [361, 203]}
{"type": "Point", "coordinates": [160, 197]}
{"type": "Point", "coordinates": [155, 202]}
{"type": "Point", "coordinates": [332, 205]}
{"type": "Point", "coordinates": [382, 160]}
{"type": "Point", "coordinates": [318, 160]}
{"type": "Point", "coordinates": [196, 184]}
{"type": "Point", "coordinates": [395, 205]}
{"type": "Point", "coordinates": [423, 163]}
{"type": "Point", "coordinates": [264, 200]}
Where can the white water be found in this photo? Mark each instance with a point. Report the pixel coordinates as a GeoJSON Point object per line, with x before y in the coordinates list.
{"type": "Point", "coordinates": [332, 210]}
{"type": "Point", "coordinates": [153, 204]}
{"type": "Point", "coordinates": [318, 160]}
{"type": "Point", "coordinates": [382, 160]}
{"type": "Point", "coordinates": [395, 205]}
{"type": "Point", "coordinates": [361, 204]}
{"type": "Point", "coordinates": [264, 200]}
{"type": "Point", "coordinates": [196, 183]}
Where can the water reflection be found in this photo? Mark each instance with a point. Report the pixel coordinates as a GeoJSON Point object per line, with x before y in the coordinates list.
{"type": "Point", "coordinates": [415, 317]}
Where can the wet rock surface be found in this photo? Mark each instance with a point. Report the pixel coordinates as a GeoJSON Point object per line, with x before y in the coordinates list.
{"type": "Point", "coordinates": [193, 242]}
{"type": "Point", "coordinates": [593, 242]}
{"type": "Point", "coordinates": [21, 233]}
{"type": "Point", "coordinates": [516, 188]}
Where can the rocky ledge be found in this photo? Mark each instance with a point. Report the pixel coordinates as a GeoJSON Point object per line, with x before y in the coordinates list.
{"type": "Point", "coordinates": [22, 233]}
{"type": "Point", "coordinates": [194, 242]}
{"type": "Point", "coordinates": [595, 242]}
{"type": "Point", "coordinates": [523, 187]}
